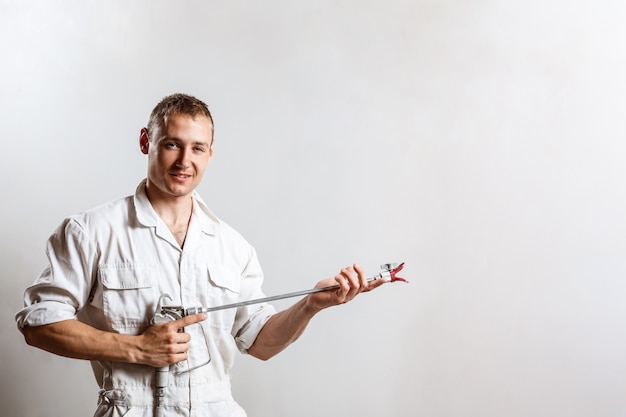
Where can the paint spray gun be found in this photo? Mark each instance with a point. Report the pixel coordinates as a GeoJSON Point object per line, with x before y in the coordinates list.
{"type": "Point", "coordinates": [167, 313]}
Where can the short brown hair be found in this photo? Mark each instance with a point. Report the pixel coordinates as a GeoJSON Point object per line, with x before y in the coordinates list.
{"type": "Point", "coordinates": [177, 104]}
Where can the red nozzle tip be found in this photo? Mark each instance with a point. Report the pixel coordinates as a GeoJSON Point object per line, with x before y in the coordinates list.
{"type": "Point", "coordinates": [394, 271]}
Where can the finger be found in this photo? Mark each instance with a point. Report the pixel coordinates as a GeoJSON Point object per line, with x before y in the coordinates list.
{"type": "Point", "coordinates": [173, 358]}
{"type": "Point", "coordinates": [374, 284]}
{"type": "Point", "coordinates": [348, 274]}
{"type": "Point", "coordinates": [179, 338]}
{"type": "Point", "coordinates": [343, 282]}
{"type": "Point", "coordinates": [354, 285]}
{"type": "Point", "coordinates": [343, 289]}
{"type": "Point", "coordinates": [188, 320]}
{"type": "Point", "coordinates": [361, 274]}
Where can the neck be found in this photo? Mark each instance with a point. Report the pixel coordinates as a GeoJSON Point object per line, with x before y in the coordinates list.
{"type": "Point", "coordinates": [176, 217]}
{"type": "Point", "coordinates": [175, 213]}
{"type": "Point", "coordinates": [171, 208]}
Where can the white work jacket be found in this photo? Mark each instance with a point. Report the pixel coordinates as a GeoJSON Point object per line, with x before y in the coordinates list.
{"type": "Point", "coordinates": [109, 266]}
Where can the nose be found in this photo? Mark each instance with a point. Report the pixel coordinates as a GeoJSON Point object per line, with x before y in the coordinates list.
{"type": "Point", "coordinates": [184, 160]}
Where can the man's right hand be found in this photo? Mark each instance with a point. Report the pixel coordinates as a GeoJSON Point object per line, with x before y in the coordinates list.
{"type": "Point", "coordinates": [163, 344]}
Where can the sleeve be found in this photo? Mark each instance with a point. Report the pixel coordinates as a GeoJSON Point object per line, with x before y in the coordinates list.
{"type": "Point", "coordinates": [64, 286]}
{"type": "Point", "coordinates": [250, 319]}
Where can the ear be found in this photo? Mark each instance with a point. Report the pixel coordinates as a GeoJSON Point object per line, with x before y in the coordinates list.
{"type": "Point", "coordinates": [144, 141]}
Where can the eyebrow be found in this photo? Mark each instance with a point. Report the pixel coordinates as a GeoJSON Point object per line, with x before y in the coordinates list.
{"type": "Point", "coordinates": [196, 142]}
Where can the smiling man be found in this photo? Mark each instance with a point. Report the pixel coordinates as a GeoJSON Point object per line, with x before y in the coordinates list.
{"type": "Point", "coordinates": [179, 145]}
{"type": "Point", "coordinates": [109, 267]}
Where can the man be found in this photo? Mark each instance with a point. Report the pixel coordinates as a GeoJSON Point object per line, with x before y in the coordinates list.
{"type": "Point", "coordinates": [109, 267]}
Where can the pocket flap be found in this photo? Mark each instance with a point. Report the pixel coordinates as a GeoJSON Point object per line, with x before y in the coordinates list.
{"type": "Point", "coordinates": [224, 277]}
{"type": "Point", "coordinates": [122, 277]}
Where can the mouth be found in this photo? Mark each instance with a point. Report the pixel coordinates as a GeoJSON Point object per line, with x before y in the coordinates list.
{"type": "Point", "coordinates": [180, 176]}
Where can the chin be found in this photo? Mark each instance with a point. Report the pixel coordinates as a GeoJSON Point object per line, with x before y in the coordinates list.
{"type": "Point", "coordinates": [182, 191]}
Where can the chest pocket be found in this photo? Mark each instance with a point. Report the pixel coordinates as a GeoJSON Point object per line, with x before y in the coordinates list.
{"type": "Point", "coordinates": [224, 288]}
{"type": "Point", "coordinates": [129, 296]}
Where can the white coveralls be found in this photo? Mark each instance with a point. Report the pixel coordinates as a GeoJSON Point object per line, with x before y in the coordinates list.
{"type": "Point", "coordinates": [109, 266]}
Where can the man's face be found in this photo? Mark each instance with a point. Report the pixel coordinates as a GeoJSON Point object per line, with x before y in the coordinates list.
{"type": "Point", "coordinates": [177, 153]}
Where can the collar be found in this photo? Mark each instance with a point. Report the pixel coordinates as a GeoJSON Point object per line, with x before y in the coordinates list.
{"type": "Point", "coordinates": [207, 221]}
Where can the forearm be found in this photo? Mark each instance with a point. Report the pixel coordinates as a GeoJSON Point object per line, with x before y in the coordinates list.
{"type": "Point", "coordinates": [285, 327]}
{"type": "Point", "coordinates": [282, 329]}
{"type": "Point", "coordinates": [74, 339]}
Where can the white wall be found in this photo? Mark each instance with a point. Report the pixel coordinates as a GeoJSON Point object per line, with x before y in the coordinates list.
{"type": "Point", "coordinates": [481, 142]}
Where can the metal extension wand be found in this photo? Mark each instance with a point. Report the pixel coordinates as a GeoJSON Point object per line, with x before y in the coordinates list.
{"type": "Point", "coordinates": [388, 274]}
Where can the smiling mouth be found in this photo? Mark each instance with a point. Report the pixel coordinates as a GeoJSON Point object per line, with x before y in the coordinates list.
{"type": "Point", "coordinates": [180, 176]}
